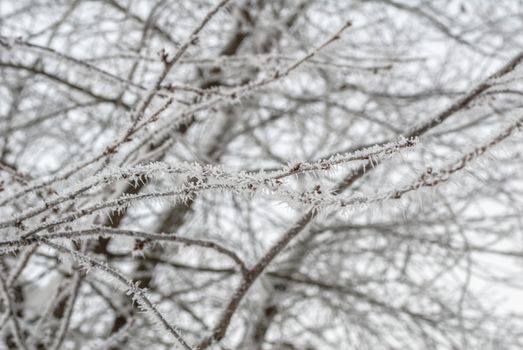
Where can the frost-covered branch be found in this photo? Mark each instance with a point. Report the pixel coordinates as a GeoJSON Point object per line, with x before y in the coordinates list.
{"type": "Point", "coordinates": [146, 237]}
{"type": "Point", "coordinates": [431, 177]}
{"type": "Point", "coordinates": [11, 313]}
{"type": "Point", "coordinates": [210, 174]}
{"type": "Point", "coordinates": [66, 319]}
{"type": "Point", "coordinates": [133, 290]}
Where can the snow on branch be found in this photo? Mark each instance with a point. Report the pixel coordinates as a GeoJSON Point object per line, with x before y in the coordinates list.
{"type": "Point", "coordinates": [210, 177]}
{"type": "Point", "coordinates": [102, 231]}
{"type": "Point", "coordinates": [431, 177]}
{"type": "Point", "coordinates": [11, 313]}
{"type": "Point", "coordinates": [132, 289]}
{"type": "Point", "coordinates": [373, 154]}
